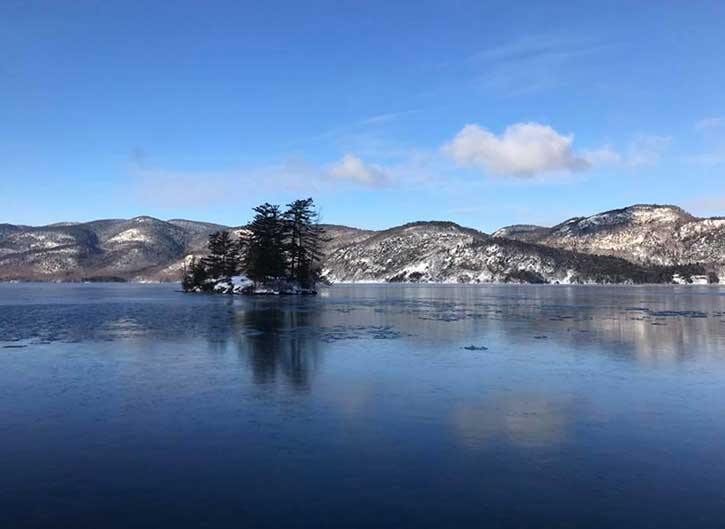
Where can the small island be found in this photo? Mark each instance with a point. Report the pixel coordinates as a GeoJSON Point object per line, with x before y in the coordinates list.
{"type": "Point", "coordinates": [278, 252]}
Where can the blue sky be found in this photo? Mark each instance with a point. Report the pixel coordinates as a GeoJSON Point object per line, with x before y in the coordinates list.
{"type": "Point", "coordinates": [485, 113]}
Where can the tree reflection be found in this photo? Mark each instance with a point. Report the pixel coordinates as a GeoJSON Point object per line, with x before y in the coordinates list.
{"type": "Point", "coordinates": [281, 337]}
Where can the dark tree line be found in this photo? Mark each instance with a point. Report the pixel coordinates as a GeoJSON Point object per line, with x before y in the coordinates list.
{"type": "Point", "coordinates": [276, 247]}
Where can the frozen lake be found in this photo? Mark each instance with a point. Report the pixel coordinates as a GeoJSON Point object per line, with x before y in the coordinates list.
{"type": "Point", "coordinates": [367, 406]}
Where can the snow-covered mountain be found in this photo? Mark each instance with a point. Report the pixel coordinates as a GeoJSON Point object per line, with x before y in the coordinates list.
{"type": "Point", "coordinates": [139, 249]}
{"type": "Point", "coordinates": [635, 244]}
{"type": "Point", "coordinates": [337, 236]}
{"type": "Point", "coordinates": [448, 253]}
{"type": "Point", "coordinates": [521, 232]}
{"type": "Point", "coordinates": [645, 234]}
{"type": "Point", "coordinates": [8, 229]}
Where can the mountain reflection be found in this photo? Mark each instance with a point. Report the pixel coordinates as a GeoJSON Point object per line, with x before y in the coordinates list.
{"type": "Point", "coordinates": [288, 336]}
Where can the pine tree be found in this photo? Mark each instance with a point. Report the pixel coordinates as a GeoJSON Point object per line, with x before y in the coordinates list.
{"type": "Point", "coordinates": [264, 255]}
{"type": "Point", "coordinates": [223, 258]}
{"type": "Point", "coordinates": [303, 241]}
{"type": "Point", "coordinates": [194, 275]}
{"type": "Point", "coordinates": [241, 251]}
{"type": "Point", "coordinates": [187, 279]}
{"type": "Point", "coordinates": [231, 254]}
{"type": "Point", "coordinates": [274, 246]}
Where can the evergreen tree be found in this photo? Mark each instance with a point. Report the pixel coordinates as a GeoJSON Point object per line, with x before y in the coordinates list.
{"type": "Point", "coordinates": [187, 281]}
{"type": "Point", "coordinates": [194, 275]}
{"type": "Point", "coordinates": [232, 256]}
{"type": "Point", "coordinates": [223, 258]}
{"type": "Point", "coordinates": [264, 255]}
{"type": "Point", "coordinates": [303, 241]}
{"type": "Point", "coordinates": [274, 246]}
{"type": "Point", "coordinates": [241, 251]}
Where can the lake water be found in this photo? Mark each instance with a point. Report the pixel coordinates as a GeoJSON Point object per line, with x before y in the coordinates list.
{"type": "Point", "coordinates": [367, 406]}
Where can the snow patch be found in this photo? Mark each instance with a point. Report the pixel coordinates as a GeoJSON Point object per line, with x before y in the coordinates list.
{"type": "Point", "coordinates": [130, 235]}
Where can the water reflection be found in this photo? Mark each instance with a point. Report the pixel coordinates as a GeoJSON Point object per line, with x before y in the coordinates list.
{"type": "Point", "coordinates": [278, 338]}
{"type": "Point", "coordinates": [396, 406]}
{"type": "Point", "coordinates": [652, 325]}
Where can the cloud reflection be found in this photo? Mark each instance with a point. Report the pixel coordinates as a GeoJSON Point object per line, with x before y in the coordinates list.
{"type": "Point", "coordinates": [527, 421]}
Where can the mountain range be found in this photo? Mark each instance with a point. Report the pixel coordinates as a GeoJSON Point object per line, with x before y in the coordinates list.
{"type": "Point", "coordinates": [639, 244]}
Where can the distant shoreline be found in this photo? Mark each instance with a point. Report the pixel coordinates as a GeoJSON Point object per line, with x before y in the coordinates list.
{"type": "Point", "coordinates": [377, 283]}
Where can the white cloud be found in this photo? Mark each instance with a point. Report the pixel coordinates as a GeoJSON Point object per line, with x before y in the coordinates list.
{"type": "Point", "coordinates": [524, 150]}
{"type": "Point", "coordinates": [352, 169]}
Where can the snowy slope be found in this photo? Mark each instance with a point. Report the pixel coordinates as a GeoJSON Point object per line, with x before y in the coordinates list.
{"type": "Point", "coordinates": [625, 245]}
{"type": "Point", "coordinates": [646, 234]}
{"type": "Point", "coordinates": [444, 252]}
{"type": "Point", "coordinates": [143, 248]}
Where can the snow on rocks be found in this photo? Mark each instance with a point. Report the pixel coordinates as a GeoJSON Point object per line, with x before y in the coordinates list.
{"type": "Point", "coordinates": [243, 285]}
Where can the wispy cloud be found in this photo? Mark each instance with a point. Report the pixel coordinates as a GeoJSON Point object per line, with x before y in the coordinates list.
{"type": "Point", "coordinates": [173, 188]}
{"type": "Point", "coordinates": [529, 46]}
{"type": "Point", "coordinates": [524, 152]}
{"type": "Point", "coordinates": [708, 124]}
{"type": "Point", "coordinates": [385, 118]}
{"type": "Point", "coordinates": [709, 159]}
{"type": "Point", "coordinates": [530, 63]}
{"type": "Point", "coordinates": [376, 120]}
{"type": "Point", "coordinates": [352, 169]}
{"type": "Point", "coordinates": [643, 150]}
{"type": "Point", "coordinates": [711, 205]}
{"type": "Point", "coordinates": [712, 130]}
{"type": "Point", "coordinates": [605, 155]}
{"type": "Point", "coordinates": [646, 150]}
